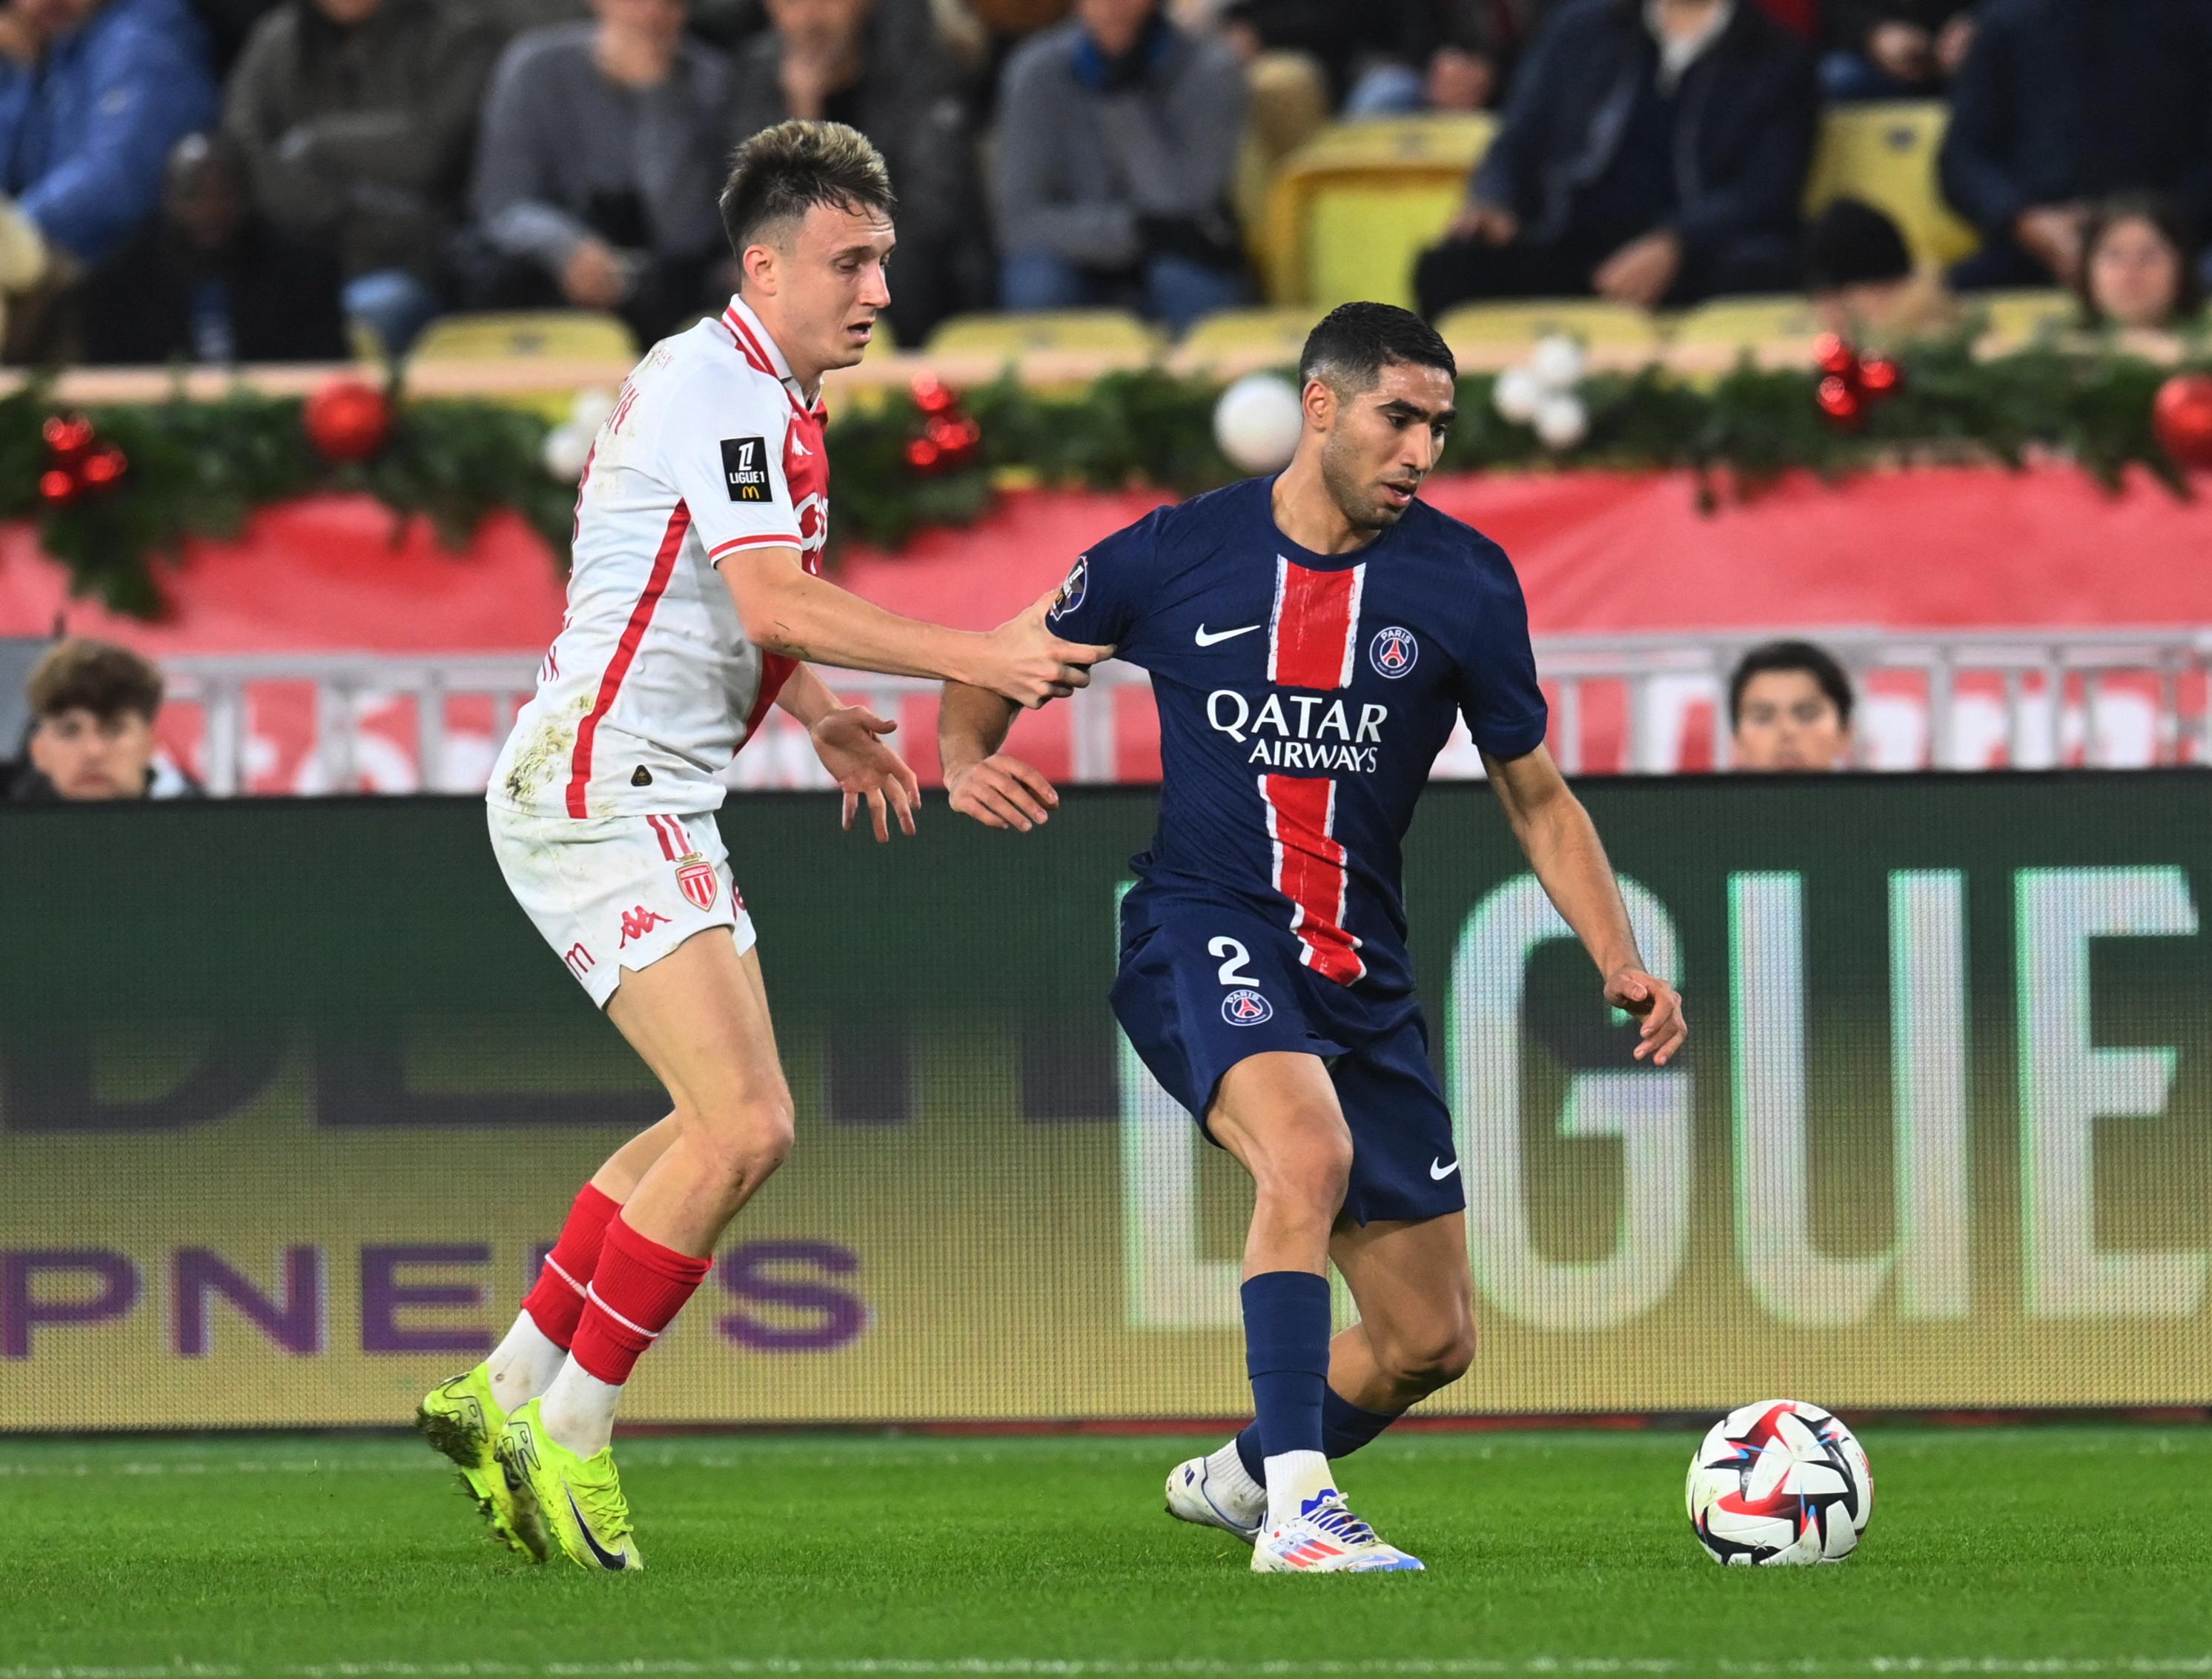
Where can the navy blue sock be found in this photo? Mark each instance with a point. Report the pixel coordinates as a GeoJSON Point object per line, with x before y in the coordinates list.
{"type": "Point", "coordinates": [1345, 1427]}
{"type": "Point", "coordinates": [1286, 1350]}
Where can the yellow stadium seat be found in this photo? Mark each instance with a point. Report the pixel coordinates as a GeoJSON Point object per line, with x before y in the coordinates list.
{"type": "Point", "coordinates": [1885, 153]}
{"type": "Point", "coordinates": [1597, 323]}
{"type": "Point", "coordinates": [2023, 314]}
{"type": "Point", "coordinates": [568, 335]}
{"type": "Point", "coordinates": [1251, 331]}
{"type": "Point", "coordinates": [1744, 320]}
{"type": "Point", "coordinates": [1352, 209]}
{"type": "Point", "coordinates": [1046, 329]}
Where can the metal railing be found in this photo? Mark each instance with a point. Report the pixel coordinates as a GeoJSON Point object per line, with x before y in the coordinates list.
{"type": "Point", "coordinates": [1648, 703]}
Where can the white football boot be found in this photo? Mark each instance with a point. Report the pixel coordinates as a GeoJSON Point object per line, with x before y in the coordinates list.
{"type": "Point", "coordinates": [1326, 1538]}
{"type": "Point", "coordinates": [1200, 1492]}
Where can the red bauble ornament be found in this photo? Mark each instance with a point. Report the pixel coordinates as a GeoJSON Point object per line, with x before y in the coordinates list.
{"type": "Point", "coordinates": [68, 436]}
{"type": "Point", "coordinates": [1834, 357]}
{"type": "Point", "coordinates": [57, 488]}
{"type": "Point", "coordinates": [923, 455]}
{"type": "Point", "coordinates": [1839, 402]}
{"type": "Point", "coordinates": [348, 420]}
{"type": "Point", "coordinates": [934, 398]}
{"type": "Point", "coordinates": [1879, 376]}
{"type": "Point", "coordinates": [2182, 415]}
{"type": "Point", "coordinates": [104, 468]}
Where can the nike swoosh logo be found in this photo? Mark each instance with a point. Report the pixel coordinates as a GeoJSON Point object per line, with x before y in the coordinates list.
{"type": "Point", "coordinates": [1205, 639]}
{"type": "Point", "coordinates": [1440, 1170]}
{"type": "Point", "coordinates": [608, 1558]}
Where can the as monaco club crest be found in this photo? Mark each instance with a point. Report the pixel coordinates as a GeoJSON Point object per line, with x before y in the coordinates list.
{"type": "Point", "coordinates": [1393, 652]}
{"type": "Point", "coordinates": [696, 876]}
{"type": "Point", "coordinates": [1246, 1008]}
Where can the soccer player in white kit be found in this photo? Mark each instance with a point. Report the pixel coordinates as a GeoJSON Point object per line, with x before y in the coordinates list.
{"type": "Point", "coordinates": [694, 602]}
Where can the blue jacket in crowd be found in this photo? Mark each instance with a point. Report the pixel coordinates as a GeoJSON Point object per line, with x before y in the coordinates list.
{"type": "Point", "coordinates": [85, 134]}
{"type": "Point", "coordinates": [1743, 137]}
{"type": "Point", "coordinates": [2063, 100]}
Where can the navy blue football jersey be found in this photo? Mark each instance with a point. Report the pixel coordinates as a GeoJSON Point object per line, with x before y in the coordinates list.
{"type": "Point", "coordinates": [1303, 699]}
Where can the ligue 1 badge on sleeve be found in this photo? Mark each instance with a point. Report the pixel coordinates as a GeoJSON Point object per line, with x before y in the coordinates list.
{"type": "Point", "coordinates": [697, 878]}
{"type": "Point", "coordinates": [745, 468]}
{"type": "Point", "coordinates": [1072, 592]}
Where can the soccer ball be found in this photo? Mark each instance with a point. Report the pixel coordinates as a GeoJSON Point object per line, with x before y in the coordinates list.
{"type": "Point", "coordinates": [1779, 1482]}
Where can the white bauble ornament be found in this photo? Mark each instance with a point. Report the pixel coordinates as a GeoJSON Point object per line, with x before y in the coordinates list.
{"type": "Point", "coordinates": [565, 450]}
{"type": "Point", "coordinates": [1561, 420]}
{"type": "Point", "coordinates": [1559, 361]}
{"type": "Point", "coordinates": [1257, 421]}
{"type": "Point", "coordinates": [1517, 394]}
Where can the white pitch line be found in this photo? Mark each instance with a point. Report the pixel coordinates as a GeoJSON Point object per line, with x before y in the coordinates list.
{"type": "Point", "coordinates": [983, 1667]}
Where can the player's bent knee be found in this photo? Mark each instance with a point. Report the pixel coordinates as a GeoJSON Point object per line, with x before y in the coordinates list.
{"type": "Point", "coordinates": [745, 1144]}
{"type": "Point", "coordinates": [1317, 1171]}
{"type": "Point", "coordinates": [1431, 1358]}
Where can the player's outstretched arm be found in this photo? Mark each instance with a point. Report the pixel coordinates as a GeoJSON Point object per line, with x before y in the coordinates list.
{"type": "Point", "coordinates": [848, 739]}
{"type": "Point", "coordinates": [788, 611]}
{"type": "Point", "coordinates": [984, 783]}
{"type": "Point", "coordinates": [1561, 844]}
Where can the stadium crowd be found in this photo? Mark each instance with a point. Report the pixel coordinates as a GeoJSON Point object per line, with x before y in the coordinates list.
{"type": "Point", "coordinates": [239, 180]}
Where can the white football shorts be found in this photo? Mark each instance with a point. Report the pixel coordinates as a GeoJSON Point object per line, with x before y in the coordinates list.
{"type": "Point", "coordinates": [611, 892]}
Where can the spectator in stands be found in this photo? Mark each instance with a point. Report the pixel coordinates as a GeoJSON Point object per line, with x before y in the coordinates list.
{"type": "Point", "coordinates": [2061, 102]}
{"type": "Point", "coordinates": [92, 706]}
{"type": "Point", "coordinates": [2136, 267]}
{"type": "Point", "coordinates": [355, 117]}
{"type": "Point", "coordinates": [875, 65]}
{"type": "Point", "coordinates": [93, 96]}
{"type": "Point", "coordinates": [598, 169]}
{"type": "Point", "coordinates": [1789, 703]}
{"type": "Point", "coordinates": [1894, 49]}
{"type": "Point", "coordinates": [1116, 156]}
{"type": "Point", "coordinates": [1650, 154]}
{"type": "Point", "coordinates": [209, 280]}
{"type": "Point", "coordinates": [1862, 279]}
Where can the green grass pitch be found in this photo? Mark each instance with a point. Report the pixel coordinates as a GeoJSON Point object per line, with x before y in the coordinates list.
{"type": "Point", "coordinates": [2046, 1549]}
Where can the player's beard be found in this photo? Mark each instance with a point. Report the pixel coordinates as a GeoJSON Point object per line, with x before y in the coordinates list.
{"type": "Point", "coordinates": [1354, 494]}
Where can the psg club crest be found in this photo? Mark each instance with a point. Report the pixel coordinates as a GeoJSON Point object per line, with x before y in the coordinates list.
{"type": "Point", "coordinates": [696, 876]}
{"type": "Point", "coordinates": [1246, 1008]}
{"type": "Point", "coordinates": [1072, 592]}
{"type": "Point", "coordinates": [1393, 652]}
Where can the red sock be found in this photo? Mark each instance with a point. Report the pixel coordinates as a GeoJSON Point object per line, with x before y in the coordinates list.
{"type": "Point", "coordinates": [636, 1293]}
{"type": "Point", "coordinates": [556, 1301]}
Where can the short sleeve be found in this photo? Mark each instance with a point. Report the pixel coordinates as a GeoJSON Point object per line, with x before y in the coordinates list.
{"type": "Point", "coordinates": [722, 446]}
{"type": "Point", "coordinates": [1106, 588]}
{"type": "Point", "coordinates": [1499, 693]}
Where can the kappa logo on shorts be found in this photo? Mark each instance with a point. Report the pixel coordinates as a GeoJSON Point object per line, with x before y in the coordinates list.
{"type": "Point", "coordinates": [698, 880]}
{"type": "Point", "coordinates": [745, 468]}
{"type": "Point", "coordinates": [636, 923]}
{"type": "Point", "coordinates": [1393, 652]}
{"type": "Point", "coordinates": [1246, 1008]}
{"type": "Point", "coordinates": [1073, 591]}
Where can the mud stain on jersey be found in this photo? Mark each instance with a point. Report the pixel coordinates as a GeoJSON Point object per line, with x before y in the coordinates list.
{"type": "Point", "coordinates": [539, 759]}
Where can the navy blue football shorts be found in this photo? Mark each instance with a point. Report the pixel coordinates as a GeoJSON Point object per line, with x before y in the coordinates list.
{"type": "Point", "coordinates": [1204, 983]}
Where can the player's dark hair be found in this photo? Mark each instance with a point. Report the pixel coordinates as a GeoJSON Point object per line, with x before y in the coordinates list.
{"type": "Point", "coordinates": [99, 677]}
{"type": "Point", "coordinates": [1816, 662]}
{"type": "Point", "coordinates": [783, 172]}
{"type": "Point", "coordinates": [1354, 342]}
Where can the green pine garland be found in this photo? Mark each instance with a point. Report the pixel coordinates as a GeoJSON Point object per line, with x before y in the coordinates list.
{"type": "Point", "coordinates": [199, 469]}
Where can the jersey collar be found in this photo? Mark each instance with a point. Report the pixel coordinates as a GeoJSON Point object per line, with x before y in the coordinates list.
{"type": "Point", "coordinates": [761, 349]}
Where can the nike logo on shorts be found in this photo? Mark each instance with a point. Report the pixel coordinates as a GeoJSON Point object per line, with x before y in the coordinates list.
{"type": "Point", "coordinates": [1440, 1170]}
{"type": "Point", "coordinates": [1208, 638]}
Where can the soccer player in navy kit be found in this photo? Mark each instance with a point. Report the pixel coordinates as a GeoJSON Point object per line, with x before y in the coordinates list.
{"type": "Point", "coordinates": [1310, 639]}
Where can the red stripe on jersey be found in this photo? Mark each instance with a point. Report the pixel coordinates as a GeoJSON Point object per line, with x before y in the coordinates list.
{"type": "Point", "coordinates": [1309, 871]}
{"type": "Point", "coordinates": [758, 356]}
{"type": "Point", "coordinates": [660, 833]}
{"type": "Point", "coordinates": [683, 846]}
{"type": "Point", "coordinates": [775, 670]}
{"type": "Point", "coordinates": [663, 567]}
{"type": "Point", "coordinates": [1315, 624]}
{"type": "Point", "coordinates": [736, 543]}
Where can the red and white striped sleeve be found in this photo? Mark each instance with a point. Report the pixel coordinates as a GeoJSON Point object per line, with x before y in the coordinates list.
{"type": "Point", "coordinates": [722, 442]}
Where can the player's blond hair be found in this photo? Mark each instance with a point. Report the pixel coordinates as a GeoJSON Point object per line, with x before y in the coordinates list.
{"type": "Point", "coordinates": [783, 172]}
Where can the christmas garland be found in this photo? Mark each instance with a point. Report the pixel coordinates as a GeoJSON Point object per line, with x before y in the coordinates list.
{"type": "Point", "coordinates": [115, 487]}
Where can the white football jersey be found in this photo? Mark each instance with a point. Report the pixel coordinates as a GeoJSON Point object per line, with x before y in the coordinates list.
{"type": "Point", "coordinates": [652, 687]}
